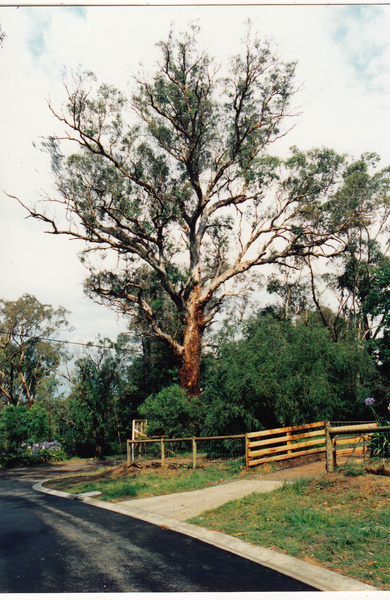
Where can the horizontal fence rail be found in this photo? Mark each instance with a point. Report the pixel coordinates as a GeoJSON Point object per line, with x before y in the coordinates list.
{"type": "Point", "coordinates": [284, 443]}
{"type": "Point", "coordinates": [351, 423]}
{"type": "Point", "coordinates": [348, 440]}
{"type": "Point", "coordinates": [259, 447]}
{"type": "Point", "coordinates": [189, 450]}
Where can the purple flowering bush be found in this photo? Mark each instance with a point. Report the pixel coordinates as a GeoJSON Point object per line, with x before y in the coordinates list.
{"type": "Point", "coordinates": [21, 432]}
{"type": "Point", "coordinates": [33, 454]}
{"type": "Point", "coordinates": [43, 452]}
{"type": "Point", "coordinates": [369, 401]}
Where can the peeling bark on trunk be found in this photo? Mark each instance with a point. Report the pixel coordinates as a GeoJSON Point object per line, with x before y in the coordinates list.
{"type": "Point", "coordinates": [189, 372]}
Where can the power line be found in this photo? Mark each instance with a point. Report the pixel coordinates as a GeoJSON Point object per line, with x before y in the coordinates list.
{"type": "Point", "coordinates": [38, 337]}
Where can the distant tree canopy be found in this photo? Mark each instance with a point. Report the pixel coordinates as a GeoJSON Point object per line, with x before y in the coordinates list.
{"type": "Point", "coordinates": [94, 416]}
{"type": "Point", "coordinates": [176, 183]}
{"type": "Point", "coordinates": [28, 354]}
{"type": "Point", "coordinates": [279, 367]}
{"type": "Point", "coordinates": [352, 273]}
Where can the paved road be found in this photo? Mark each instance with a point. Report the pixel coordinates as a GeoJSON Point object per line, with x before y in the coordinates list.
{"type": "Point", "coordinates": [50, 544]}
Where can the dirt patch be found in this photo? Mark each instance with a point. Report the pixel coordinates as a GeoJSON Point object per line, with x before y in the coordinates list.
{"type": "Point", "coordinates": [69, 481]}
{"type": "Point", "coordinates": [379, 469]}
{"type": "Point", "coordinates": [112, 473]}
{"type": "Point", "coordinates": [374, 479]}
{"type": "Point", "coordinates": [65, 482]}
{"type": "Point", "coordinates": [57, 469]}
{"type": "Point", "coordinates": [368, 484]}
{"type": "Point", "coordinates": [285, 470]}
{"type": "Point", "coordinates": [123, 469]}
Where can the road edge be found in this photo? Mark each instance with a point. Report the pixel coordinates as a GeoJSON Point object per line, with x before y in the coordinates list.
{"type": "Point", "coordinates": [313, 575]}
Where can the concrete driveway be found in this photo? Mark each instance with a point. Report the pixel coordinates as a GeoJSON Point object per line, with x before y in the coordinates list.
{"type": "Point", "coordinates": [183, 506]}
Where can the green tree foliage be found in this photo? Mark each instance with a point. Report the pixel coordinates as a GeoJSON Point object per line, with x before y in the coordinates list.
{"type": "Point", "coordinates": [28, 353]}
{"type": "Point", "coordinates": [292, 295]}
{"type": "Point", "coordinates": [169, 413]}
{"type": "Point", "coordinates": [92, 420]}
{"type": "Point", "coordinates": [177, 182]}
{"type": "Point", "coordinates": [21, 430]}
{"type": "Point", "coordinates": [15, 427]}
{"type": "Point", "coordinates": [365, 192]}
{"type": "Point", "coordinates": [282, 373]}
{"type": "Point", "coordinates": [154, 369]}
{"type": "Point", "coordinates": [377, 306]}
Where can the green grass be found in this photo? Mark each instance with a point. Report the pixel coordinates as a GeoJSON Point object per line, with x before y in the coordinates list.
{"type": "Point", "coordinates": [352, 469]}
{"type": "Point", "coordinates": [146, 482]}
{"type": "Point", "coordinates": [335, 524]}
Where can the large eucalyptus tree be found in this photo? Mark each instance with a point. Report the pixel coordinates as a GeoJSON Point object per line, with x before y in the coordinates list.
{"type": "Point", "coordinates": [176, 182]}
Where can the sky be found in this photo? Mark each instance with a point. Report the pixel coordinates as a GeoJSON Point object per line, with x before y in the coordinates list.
{"type": "Point", "coordinates": [343, 74]}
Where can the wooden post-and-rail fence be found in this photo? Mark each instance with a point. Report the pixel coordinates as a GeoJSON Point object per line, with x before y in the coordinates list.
{"type": "Point", "coordinates": [337, 437]}
{"type": "Point", "coordinates": [284, 443]}
{"type": "Point", "coordinates": [163, 441]}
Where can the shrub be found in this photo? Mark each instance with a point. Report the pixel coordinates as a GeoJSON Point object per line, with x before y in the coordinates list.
{"type": "Point", "coordinates": [379, 443]}
{"type": "Point", "coordinates": [170, 413]}
{"type": "Point", "coordinates": [32, 454]}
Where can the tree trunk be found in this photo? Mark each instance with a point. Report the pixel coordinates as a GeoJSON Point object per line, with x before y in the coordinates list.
{"type": "Point", "coordinates": [189, 369]}
{"type": "Point", "coordinates": [99, 444]}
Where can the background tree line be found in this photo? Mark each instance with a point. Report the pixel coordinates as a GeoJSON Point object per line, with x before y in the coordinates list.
{"type": "Point", "coordinates": [278, 366]}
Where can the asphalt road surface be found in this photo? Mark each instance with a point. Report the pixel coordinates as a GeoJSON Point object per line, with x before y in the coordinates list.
{"type": "Point", "coordinates": [50, 544]}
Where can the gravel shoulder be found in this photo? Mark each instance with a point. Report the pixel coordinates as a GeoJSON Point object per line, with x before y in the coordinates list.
{"type": "Point", "coordinates": [50, 471]}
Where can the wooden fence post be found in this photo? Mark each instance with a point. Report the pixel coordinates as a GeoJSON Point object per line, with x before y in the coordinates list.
{"type": "Point", "coordinates": [128, 462]}
{"type": "Point", "coordinates": [162, 453]}
{"type": "Point", "coordinates": [193, 453]}
{"type": "Point", "coordinates": [329, 449]}
{"type": "Point", "coordinates": [246, 452]}
{"type": "Point", "coordinates": [288, 441]}
{"type": "Point", "coordinates": [334, 454]}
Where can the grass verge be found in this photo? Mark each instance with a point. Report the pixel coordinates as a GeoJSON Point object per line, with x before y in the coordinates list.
{"type": "Point", "coordinates": [117, 484]}
{"type": "Point", "coordinates": [340, 523]}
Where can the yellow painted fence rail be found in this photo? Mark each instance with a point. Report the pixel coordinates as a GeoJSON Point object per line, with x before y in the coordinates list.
{"type": "Point", "coordinates": [284, 443]}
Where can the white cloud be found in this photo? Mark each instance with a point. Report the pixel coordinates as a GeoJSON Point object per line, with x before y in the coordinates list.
{"type": "Point", "coordinates": [343, 58]}
{"type": "Point", "coordinates": [362, 35]}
